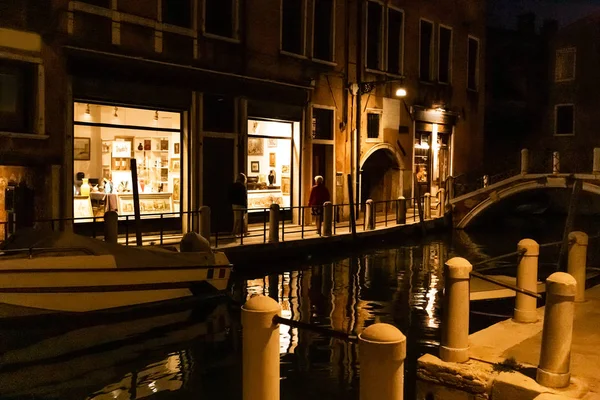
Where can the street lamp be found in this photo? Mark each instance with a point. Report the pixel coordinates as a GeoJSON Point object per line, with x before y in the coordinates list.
{"type": "Point", "coordinates": [401, 92]}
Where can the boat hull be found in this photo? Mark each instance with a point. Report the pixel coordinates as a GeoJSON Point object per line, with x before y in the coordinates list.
{"type": "Point", "coordinates": [82, 284]}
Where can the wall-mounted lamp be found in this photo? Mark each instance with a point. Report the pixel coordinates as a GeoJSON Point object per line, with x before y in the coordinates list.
{"type": "Point", "coordinates": [156, 115]}
{"type": "Point", "coordinates": [87, 109]}
{"type": "Point", "coordinates": [116, 114]}
{"type": "Point", "coordinates": [401, 92]}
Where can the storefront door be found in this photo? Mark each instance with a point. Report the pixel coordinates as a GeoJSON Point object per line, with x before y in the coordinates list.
{"type": "Point", "coordinates": [423, 161]}
{"type": "Point", "coordinates": [217, 167]}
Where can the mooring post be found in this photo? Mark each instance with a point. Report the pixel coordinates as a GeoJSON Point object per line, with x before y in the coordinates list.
{"type": "Point", "coordinates": [401, 211]}
{"type": "Point", "coordinates": [327, 218]}
{"type": "Point", "coordinates": [442, 198]}
{"type": "Point", "coordinates": [596, 164]}
{"type": "Point", "coordinates": [486, 181]}
{"type": "Point", "coordinates": [274, 223]}
{"type": "Point", "coordinates": [524, 161]}
{"type": "Point", "coordinates": [454, 345]}
{"type": "Point", "coordinates": [554, 369]}
{"type": "Point", "coordinates": [555, 162]}
{"type": "Point", "coordinates": [427, 206]}
{"type": "Point", "coordinates": [527, 275]}
{"type": "Point", "coordinates": [577, 262]}
{"type": "Point", "coordinates": [260, 351]}
{"type": "Point", "coordinates": [370, 215]}
{"type": "Point", "coordinates": [111, 227]}
{"type": "Point", "coordinates": [205, 222]}
{"type": "Point", "coordinates": [382, 351]}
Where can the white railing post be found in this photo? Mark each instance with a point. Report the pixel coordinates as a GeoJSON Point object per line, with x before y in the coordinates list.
{"type": "Point", "coordinates": [527, 275]}
{"type": "Point", "coordinates": [524, 161]}
{"type": "Point", "coordinates": [205, 222]}
{"type": "Point", "coordinates": [327, 218]}
{"type": "Point", "coordinates": [111, 227]}
{"type": "Point", "coordinates": [274, 223]}
{"type": "Point", "coordinates": [555, 162]}
{"type": "Point", "coordinates": [577, 262]}
{"type": "Point", "coordinates": [442, 198]}
{"type": "Point", "coordinates": [370, 215]}
{"type": "Point", "coordinates": [401, 211]}
{"type": "Point", "coordinates": [382, 351]}
{"type": "Point", "coordinates": [260, 349]}
{"type": "Point", "coordinates": [554, 369]}
{"type": "Point", "coordinates": [596, 166]}
{"type": "Point", "coordinates": [454, 346]}
{"type": "Point", "coordinates": [427, 206]}
{"type": "Point", "coordinates": [486, 181]}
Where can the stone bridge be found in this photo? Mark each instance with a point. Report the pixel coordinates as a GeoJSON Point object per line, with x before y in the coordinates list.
{"type": "Point", "coordinates": [467, 207]}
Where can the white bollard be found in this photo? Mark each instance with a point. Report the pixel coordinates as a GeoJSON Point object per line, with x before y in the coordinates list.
{"type": "Point", "coordinates": [554, 369]}
{"type": "Point", "coordinates": [596, 165]}
{"type": "Point", "coordinates": [527, 275]}
{"type": "Point", "coordinates": [577, 262]}
{"type": "Point", "coordinates": [427, 206]}
{"type": "Point", "coordinates": [524, 161]}
{"type": "Point", "coordinates": [442, 197]}
{"type": "Point", "coordinates": [486, 181]}
{"type": "Point", "coordinates": [111, 227]}
{"type": "Point", "coordinates": [454, 346]}
{"type": "Point", "coordinates": [274, 223]}
{"type": "Point", "coordinates": [555, 162]}
{"type": "Point", "coordinates": [260, 351]}
{"type": "Point", "coordinates": [401, 211]}
{"type": "Point", "coordinates": [327, 218]}
{"type": "Point", "coordinates": [382, 351]}
{"type": "Point", "coordinates": [205, 222]}
{"type": "Point", "coordinates": [369, 215]}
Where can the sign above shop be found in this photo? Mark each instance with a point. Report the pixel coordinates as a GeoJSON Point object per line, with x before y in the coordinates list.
{"type": "Point", "coordinates": [434, 116]}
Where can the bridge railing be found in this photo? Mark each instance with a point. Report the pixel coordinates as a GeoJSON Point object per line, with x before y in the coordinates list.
{"type": "Point", "coordinates": [545, 162]}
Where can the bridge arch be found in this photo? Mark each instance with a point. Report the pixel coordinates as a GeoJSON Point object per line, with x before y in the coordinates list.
{"type": "Point", "coordinates": [380, 173]}
{"type": "Point", "coordinates": [511, 191]}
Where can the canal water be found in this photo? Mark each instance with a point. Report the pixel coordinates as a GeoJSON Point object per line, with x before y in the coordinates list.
{"type": "Point", "coordinates": [196, 354]}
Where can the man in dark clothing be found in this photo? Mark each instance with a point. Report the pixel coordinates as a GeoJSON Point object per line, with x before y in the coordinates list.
{"type": "Point", "coordinates": [239, 203]}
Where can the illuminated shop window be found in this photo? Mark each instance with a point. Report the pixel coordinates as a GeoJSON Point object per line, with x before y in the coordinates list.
{"type": "Point", "coordinates": [106, 138]}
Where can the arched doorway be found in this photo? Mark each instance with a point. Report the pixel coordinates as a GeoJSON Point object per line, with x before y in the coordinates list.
{"type": "Point", "coordinates": [380, 175]}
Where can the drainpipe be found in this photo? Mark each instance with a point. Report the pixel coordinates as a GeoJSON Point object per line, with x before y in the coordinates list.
{"type": "Point", "coordinates": [359, 78]}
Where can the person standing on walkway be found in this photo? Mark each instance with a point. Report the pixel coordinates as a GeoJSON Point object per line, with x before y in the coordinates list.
{"type": "Point", "coordinates": [318, 195]}
{"type": "Point", "coordinates": [239, 204]}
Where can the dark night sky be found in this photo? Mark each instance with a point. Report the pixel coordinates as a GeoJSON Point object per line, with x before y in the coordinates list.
{"type": "Point", "coordinates": [504, 12]}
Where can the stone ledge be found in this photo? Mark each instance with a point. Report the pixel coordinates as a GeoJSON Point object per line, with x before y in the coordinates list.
{"type": "Point", "coordinates": [472, 377]}
{"type": "Point", "coordinates": [478, 380]}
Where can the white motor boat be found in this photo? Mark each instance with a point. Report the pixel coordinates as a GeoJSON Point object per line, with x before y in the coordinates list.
{"type": "Point", "coordinates": [43, 273]}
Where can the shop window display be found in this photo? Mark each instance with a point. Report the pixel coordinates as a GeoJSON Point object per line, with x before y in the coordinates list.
{"type": "Point", "coordinates": [269, 160]}
{"type": "Point", "coordinates": [106, 139]}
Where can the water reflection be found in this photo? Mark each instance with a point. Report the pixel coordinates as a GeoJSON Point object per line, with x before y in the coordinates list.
{"type": "Point", "coordinates": [400, 286]}
{"type": "Point", "coordinates": [197, 353]}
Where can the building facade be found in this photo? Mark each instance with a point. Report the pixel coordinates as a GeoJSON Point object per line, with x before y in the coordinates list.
{"type": "Point", "coordinates": [571, 118]}
{"type": "Point", "coordinates": [516, 91]}
{"type": "Point", "coordinates": [197, 91]}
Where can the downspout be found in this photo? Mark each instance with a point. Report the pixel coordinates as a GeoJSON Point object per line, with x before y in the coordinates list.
{"type": "Point", "coordinates": [347, 66]}
{"type": "Point", "coordinates": [359, 78]}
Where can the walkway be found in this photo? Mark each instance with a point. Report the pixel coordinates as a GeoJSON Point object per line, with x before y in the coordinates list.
{"type": "Point", "coordinates": [258, 233]}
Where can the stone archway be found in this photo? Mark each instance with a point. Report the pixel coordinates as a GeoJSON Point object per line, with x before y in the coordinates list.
{"type": "Point", "coordinates": [380, 173]}
{"type": "Point", "coordinates": [510, 191]}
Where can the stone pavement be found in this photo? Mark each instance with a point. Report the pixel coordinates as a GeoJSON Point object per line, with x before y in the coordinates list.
{"type": "Point", "coordinates": [480, 377]}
